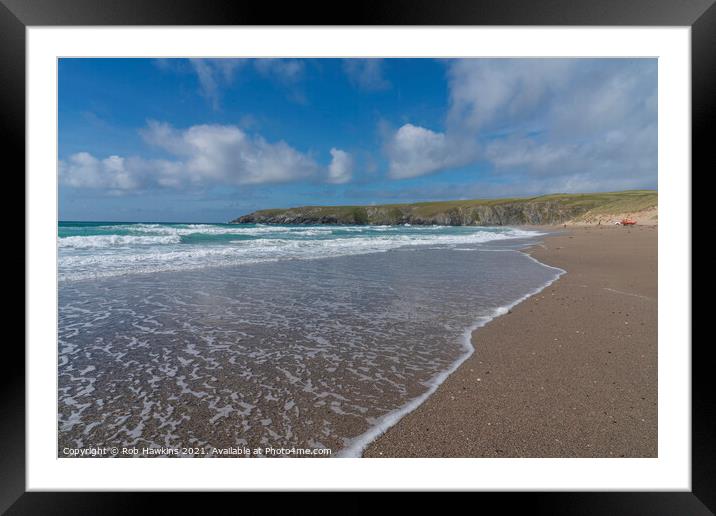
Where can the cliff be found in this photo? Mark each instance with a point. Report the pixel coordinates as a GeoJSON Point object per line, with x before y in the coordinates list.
{"type": "Point", "coordinates": [546, 209]}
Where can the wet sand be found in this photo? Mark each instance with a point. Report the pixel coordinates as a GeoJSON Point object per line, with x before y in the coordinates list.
{"type": "Point", "coordinates": [570, 372]}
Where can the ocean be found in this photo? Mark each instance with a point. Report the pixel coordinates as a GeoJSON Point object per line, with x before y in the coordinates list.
{"type": "Point", "coordinates": [207, 337]}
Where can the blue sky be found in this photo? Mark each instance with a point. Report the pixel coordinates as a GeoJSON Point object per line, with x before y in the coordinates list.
{"type": "Point", "coordinates": [206, 140]}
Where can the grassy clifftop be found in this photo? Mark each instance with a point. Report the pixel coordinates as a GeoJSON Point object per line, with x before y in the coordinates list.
{"type": "Point", "coordinates": [545, 209]}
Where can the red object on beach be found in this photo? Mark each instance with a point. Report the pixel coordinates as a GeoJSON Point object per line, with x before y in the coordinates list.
{"type": "Point", "coordinates": [628, 222]}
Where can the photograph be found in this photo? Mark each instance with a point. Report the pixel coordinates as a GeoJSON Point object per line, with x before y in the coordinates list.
{"type": "Point", "coordinates": [329, 257]}
{"type": "Point", "coordinates": [438, 249]}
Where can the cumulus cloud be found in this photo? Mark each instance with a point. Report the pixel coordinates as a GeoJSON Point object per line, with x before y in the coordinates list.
{"type": "Point", "coordinates": [85, 171]}
{"type": "Point", "coordinates": [203, 155]}
{"type": "Point", "coordinates": [226, 154]}
{"type": "Point", "coordinates": [416, 151]}
{"type": "Point", "coordinates": [592, 119]}
{"type": "Point", "coordinates": [366, 74]}
{"type": "Point", "coordinates": [341, 168]}
{"type": "Point", "coordinates": [118, 175]}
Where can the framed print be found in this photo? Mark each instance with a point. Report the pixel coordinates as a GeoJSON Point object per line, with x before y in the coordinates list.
{"type": "Point", "coordinates": [444, 248]}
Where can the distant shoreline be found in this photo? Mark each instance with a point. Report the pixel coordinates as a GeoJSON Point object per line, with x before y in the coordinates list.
{"type": "Point", "coordinates": [596, 208]}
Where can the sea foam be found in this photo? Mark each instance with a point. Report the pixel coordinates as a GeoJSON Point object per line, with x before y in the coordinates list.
{"type": "Point", "coordinates": [125, 249]}
{"type": "Point", "coordinates": [325, 340]}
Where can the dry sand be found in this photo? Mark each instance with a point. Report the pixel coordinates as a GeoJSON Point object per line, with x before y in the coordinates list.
{"type": "Point", "coordinates": [648, 217]}
{"type": "Point", "coordinates": [570, 372]}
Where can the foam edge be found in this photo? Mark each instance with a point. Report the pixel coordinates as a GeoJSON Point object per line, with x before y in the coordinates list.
{"type": "Point", "coordinates": [358, 444]}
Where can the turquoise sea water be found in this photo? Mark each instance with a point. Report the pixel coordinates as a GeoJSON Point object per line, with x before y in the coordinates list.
{"type": "Point", "coordinates": [103, 249]}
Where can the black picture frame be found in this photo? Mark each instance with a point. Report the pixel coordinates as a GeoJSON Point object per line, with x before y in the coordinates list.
{"type": "Point", "coordinates": [700, 15]}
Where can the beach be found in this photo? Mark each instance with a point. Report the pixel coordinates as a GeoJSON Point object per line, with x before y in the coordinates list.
{"type": "Point", "coordinates": [530, 341]}
{"type": "Point", "coordinates": [570, 372]}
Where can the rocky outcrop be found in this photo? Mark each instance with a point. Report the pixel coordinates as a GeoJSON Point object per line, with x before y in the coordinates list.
{"type": "Point", "coordinates": [493, 215]}
{"type": "Point", "coordinates": [545, 210]}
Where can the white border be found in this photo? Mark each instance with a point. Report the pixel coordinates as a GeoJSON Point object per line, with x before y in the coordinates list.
{"type": "Point", "coordinates": [671, 471]}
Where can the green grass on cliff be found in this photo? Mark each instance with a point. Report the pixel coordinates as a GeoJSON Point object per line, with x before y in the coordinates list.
{"type": "Point", "coordinates": [598, 203]}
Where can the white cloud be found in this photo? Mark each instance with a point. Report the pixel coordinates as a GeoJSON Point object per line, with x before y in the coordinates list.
{"type": "Point", "coordinates": [527, 153]}
{"type": "Point", "coordinates": [203, 155]}
{"type": "Point", "coordinates": [366, 74]}
{"type": "Point", "coordinates": [494, 93]}
{"type": "Point", "coordinates": [212, 73]}
{"type": "Point", "coordinates": [285, 70]}
{"type": "Point", "coordinates": [586, 122]}
{"type": "Point", "coordinates": [207, 81]}
{"type": "Point", "coordinates": [341, 168]}
{"type": "Point", "coordinates": [226, 154]}
{"type": "Point", "coordinates": [85, 171]}
{"type": "Point", "coordinates": [415, 151]}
